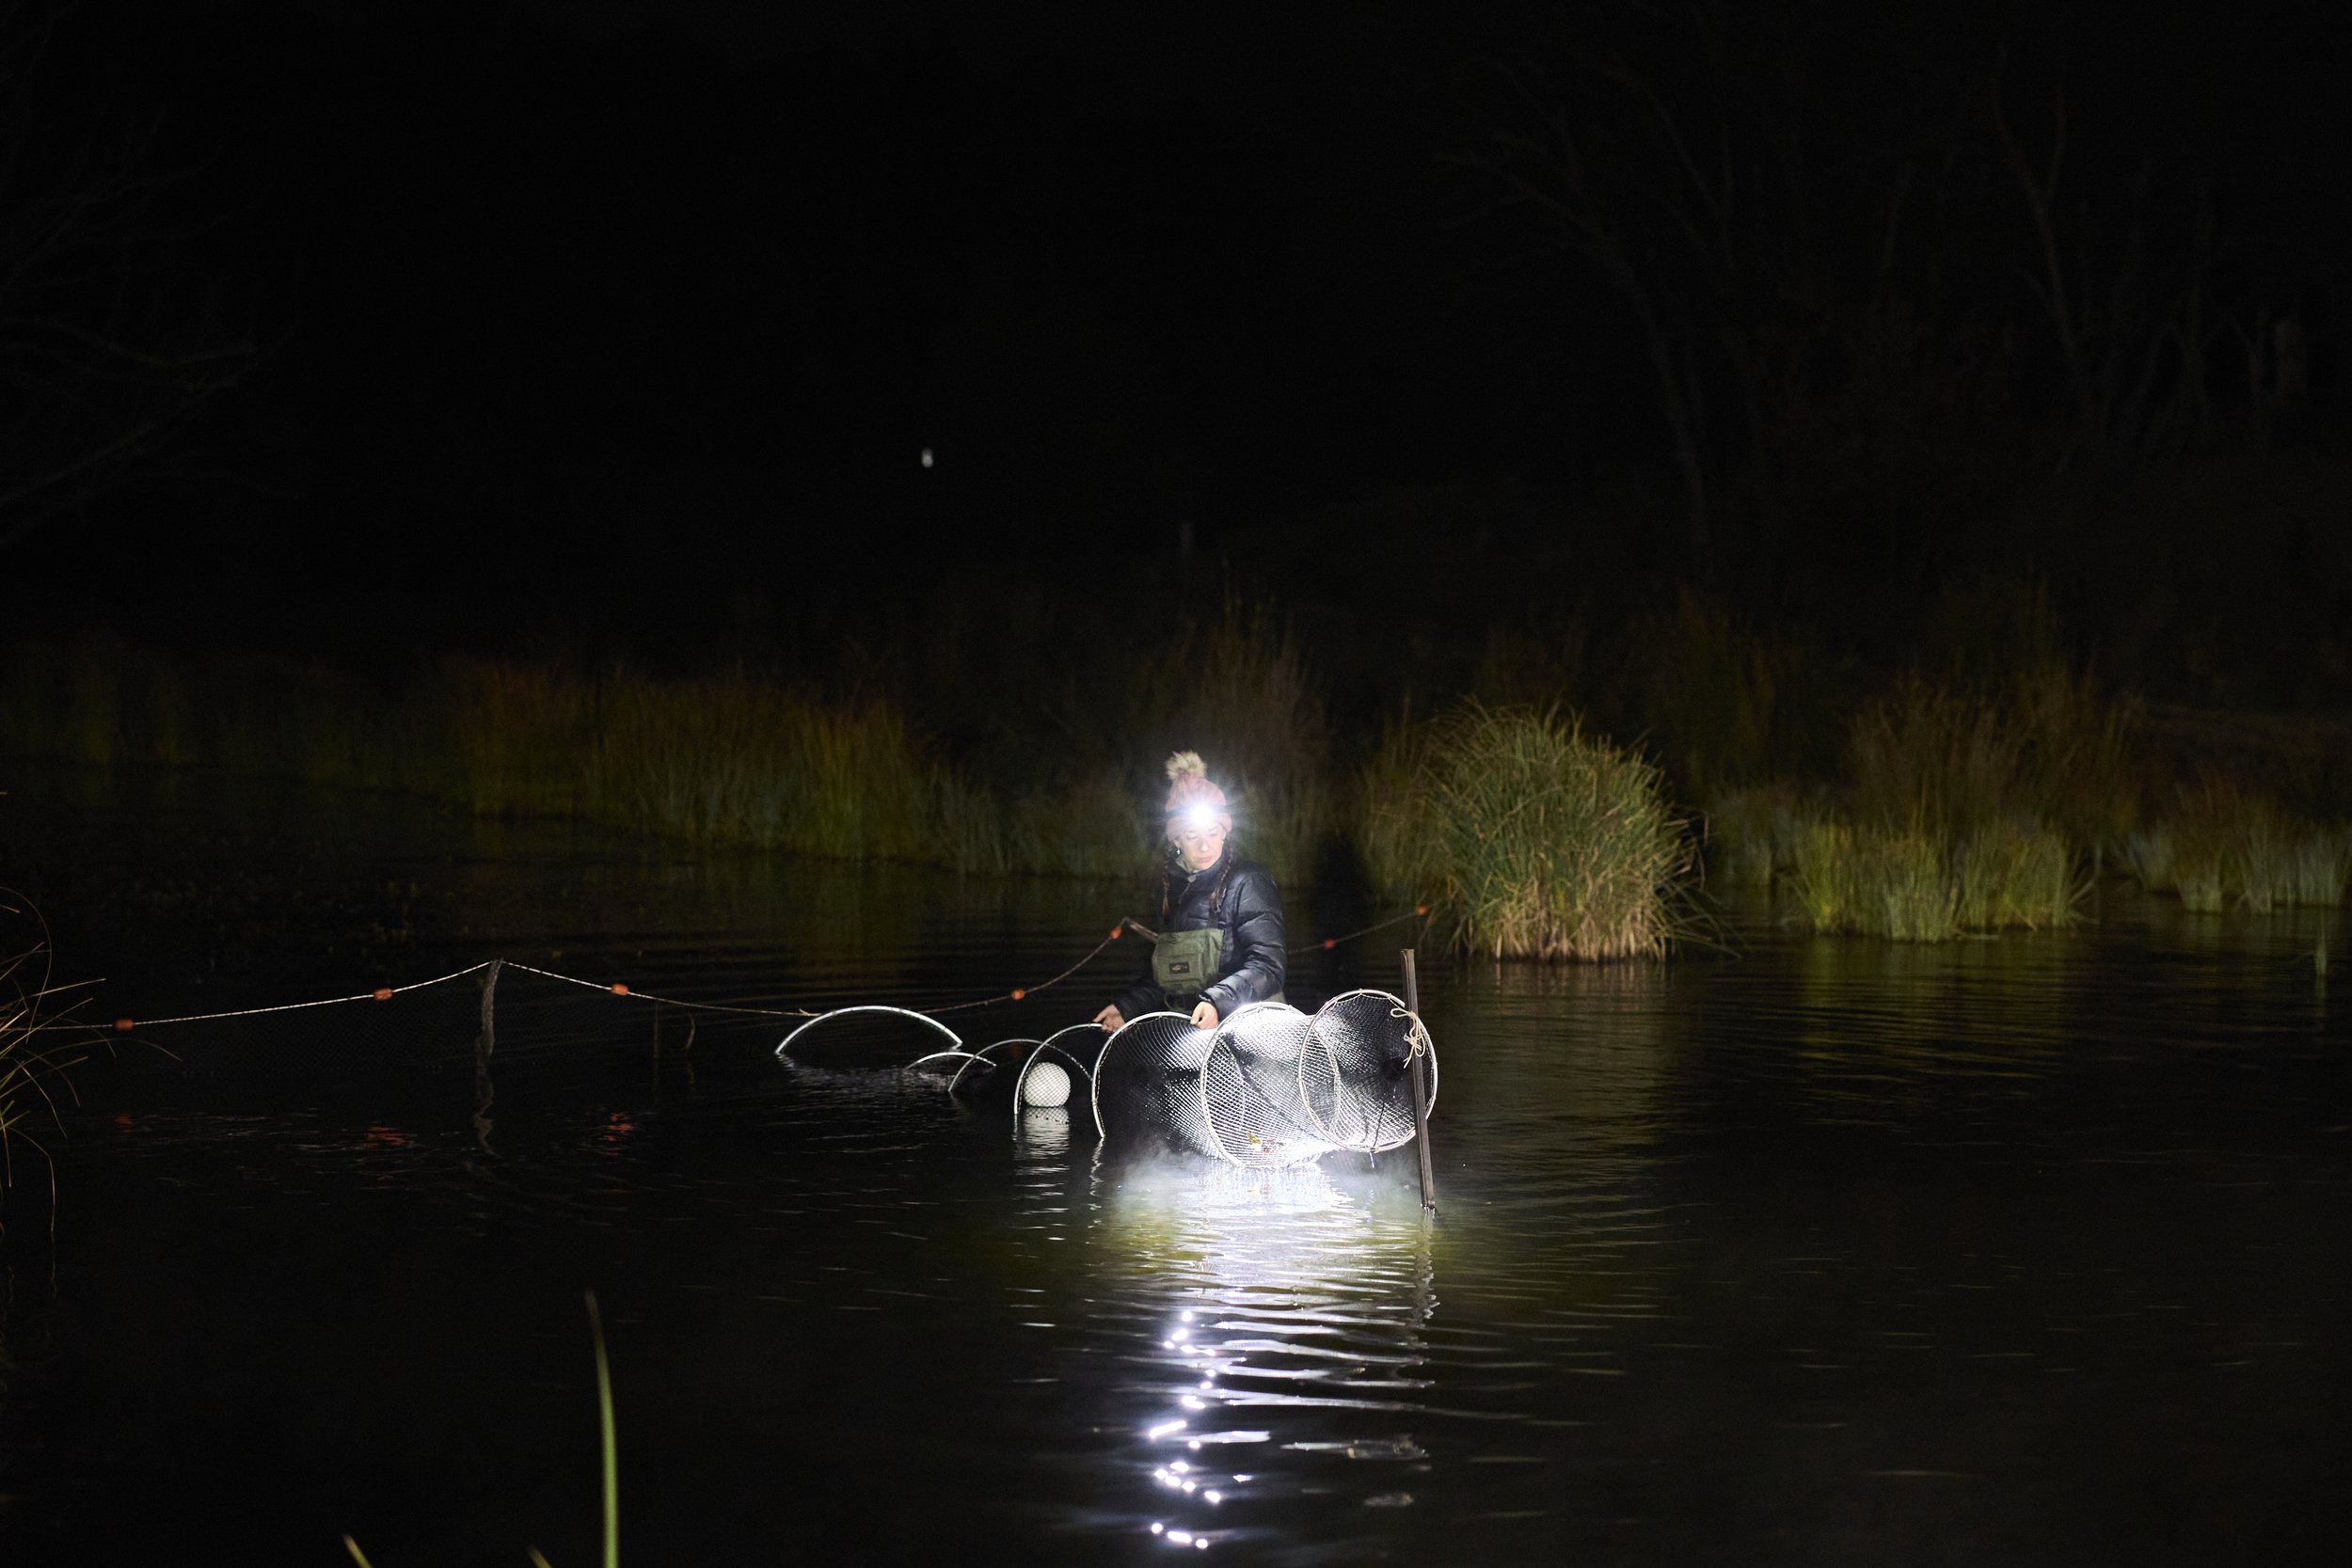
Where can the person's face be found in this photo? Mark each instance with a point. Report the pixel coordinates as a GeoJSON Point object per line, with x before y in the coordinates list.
{"type": "Point", "coordinates": [1199, 837]}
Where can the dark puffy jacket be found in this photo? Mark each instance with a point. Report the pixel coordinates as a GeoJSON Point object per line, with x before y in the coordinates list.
{"type": "Point", "coordinates": [1250, 913]}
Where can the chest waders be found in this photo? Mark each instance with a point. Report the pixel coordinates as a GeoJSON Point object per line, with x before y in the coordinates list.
{"type": "Point", "coordinates": [1185, 963]}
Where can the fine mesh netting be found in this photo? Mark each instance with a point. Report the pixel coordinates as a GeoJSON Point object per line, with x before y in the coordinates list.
{"type": "Point", "coordinates": [1250, 1091]}
{"type": "Point", "coordinates": [1269, 1087]}
{"type": "Point", "coordinates": [1354, 1071]}
{"type": "Point", "coordinates": [1147, 1085]}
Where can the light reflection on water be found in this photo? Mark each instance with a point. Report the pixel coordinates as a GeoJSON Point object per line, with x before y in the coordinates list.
{"type": "Point", "coordinates": [1279, 1292]}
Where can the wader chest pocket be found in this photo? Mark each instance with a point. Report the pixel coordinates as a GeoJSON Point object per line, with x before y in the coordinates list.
{"type": "Point", "coordinates": [1184, 963]}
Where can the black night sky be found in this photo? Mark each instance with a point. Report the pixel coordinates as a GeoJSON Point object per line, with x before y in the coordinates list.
{"type": "Point", "coordinates": [625, 324]}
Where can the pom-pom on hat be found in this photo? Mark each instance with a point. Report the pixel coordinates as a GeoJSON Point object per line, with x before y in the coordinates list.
{"type": "Point", "coordinates": [1188, 784]}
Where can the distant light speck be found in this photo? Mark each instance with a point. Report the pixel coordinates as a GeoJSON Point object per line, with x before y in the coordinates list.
{"type": "Point", "coordinates": [927, 457]}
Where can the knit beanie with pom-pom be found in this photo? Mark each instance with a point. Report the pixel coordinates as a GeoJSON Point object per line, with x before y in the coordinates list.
{"type": "Point", "coordinates": [1188, 784]}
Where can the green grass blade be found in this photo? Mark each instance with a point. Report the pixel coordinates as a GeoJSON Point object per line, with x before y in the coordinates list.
{"type": "Point", "coordinates": [612, 1454]}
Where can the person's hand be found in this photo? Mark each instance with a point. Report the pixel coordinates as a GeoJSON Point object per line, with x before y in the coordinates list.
{"type": "Point", "coordinates": [1110, 1019]}
{"type": "Point", "coordinates": [1204, 1016]}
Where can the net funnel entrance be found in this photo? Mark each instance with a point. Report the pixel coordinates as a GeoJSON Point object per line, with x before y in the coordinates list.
{"type": "Point", "coordinates": [1354, 1071]}
{"type": "Point", "coordinates": [1147, 1085]}
{"type": "Point", "coordinates": [1250, 1100]}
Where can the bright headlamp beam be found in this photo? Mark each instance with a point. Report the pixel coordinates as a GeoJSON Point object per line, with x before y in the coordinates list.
{"type": "Point", "coordinates": [1197, 819]}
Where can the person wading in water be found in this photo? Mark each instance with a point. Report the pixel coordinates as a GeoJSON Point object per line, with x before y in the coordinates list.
{"type": "Point", "coordinates": [1220, 946]}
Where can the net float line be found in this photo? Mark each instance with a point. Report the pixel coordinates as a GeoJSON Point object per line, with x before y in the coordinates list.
{"type": "Point", "coordinates": [1420, 911]}
{"type": "Point", "coordinates": [621, 989]}
{"type": "Point", "coordinates": [381, 994]}
{"type": "Point", "coordinates": [1323, 944]}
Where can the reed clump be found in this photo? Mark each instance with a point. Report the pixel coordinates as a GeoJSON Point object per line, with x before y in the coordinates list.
{"type": "Point", "coordinates": [1529, 836]}
{"type": "Point", "coordinates": [2222, 845]}
{"type": "Point", "coordinates": [1877, 882]}
{"type": "Point", "coordinates": [1969, 811]}
{"type": "Point", "coordinates": [1952, 758]}
{"type": "Point", "coordinates": [1909, 884]}
{"type": "Point", "coordinates": [29, 1009]}
{"type": "Point", "coordinates": [1093, 825]}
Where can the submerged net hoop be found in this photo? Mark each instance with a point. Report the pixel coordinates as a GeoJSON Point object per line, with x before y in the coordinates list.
{"type": "Point", "coordinates": [1354, 1071]}
{"type": "Point", "coordinates": [985, 1058]}
{"type": "Point", "coordinates": [964, 1060]}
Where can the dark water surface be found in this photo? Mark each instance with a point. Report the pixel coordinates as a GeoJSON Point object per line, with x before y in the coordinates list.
{"type": "Point", "coordinates": [2027, 1250]}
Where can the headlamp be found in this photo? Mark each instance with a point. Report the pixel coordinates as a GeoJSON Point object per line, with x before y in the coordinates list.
{"type": "Point", "coordinates": [1196, 818]}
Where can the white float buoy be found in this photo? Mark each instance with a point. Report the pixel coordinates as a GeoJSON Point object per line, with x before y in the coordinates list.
{"type": "Point", "coordinates": [1047, 1084]}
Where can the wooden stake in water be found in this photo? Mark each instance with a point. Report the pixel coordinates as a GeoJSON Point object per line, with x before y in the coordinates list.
{"type": "Point", "coordinates": [1419, 1075]}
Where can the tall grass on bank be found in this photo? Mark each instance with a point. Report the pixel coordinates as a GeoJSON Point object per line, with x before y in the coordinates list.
{"type": "Point", "coordinates": [1970, 811]}
{"type": "Point", "coordinates": [2222, 845]}
{"type": "Point", "coordinates": [1953, 760]}
{"type": "Point", "coordinates": [1534, 838]}
{"type": "Point", "coordinates": [725, 759]}
{"type": "Point", "coordinates": [19, 1022]}
{"type": "Point", "coordinates": [28, 1010]}
{"type": "Point", "coordinates": [104, 702]}
{"type": "Point", "coordinates": [1912, 885]}
{"type": "Point", "coordinates": [2001, 782]}
{"type": "Point", "coordinates": [1726, 701]}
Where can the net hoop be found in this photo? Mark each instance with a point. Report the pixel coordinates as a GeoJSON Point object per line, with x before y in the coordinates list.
{"type": "Point", "coordinates": [982, 1057]}
{"type": "Point", "coordinates": [1419, 1043]}
{"type": "Point", "coordinates": [1226, 1060]}
{"type": "Point", "coordinates": [784, 1046]}
{"type": "Point", "coordinates": [1102, 1060]}
{"type": "Point", "coordinates": [965, 1057]}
